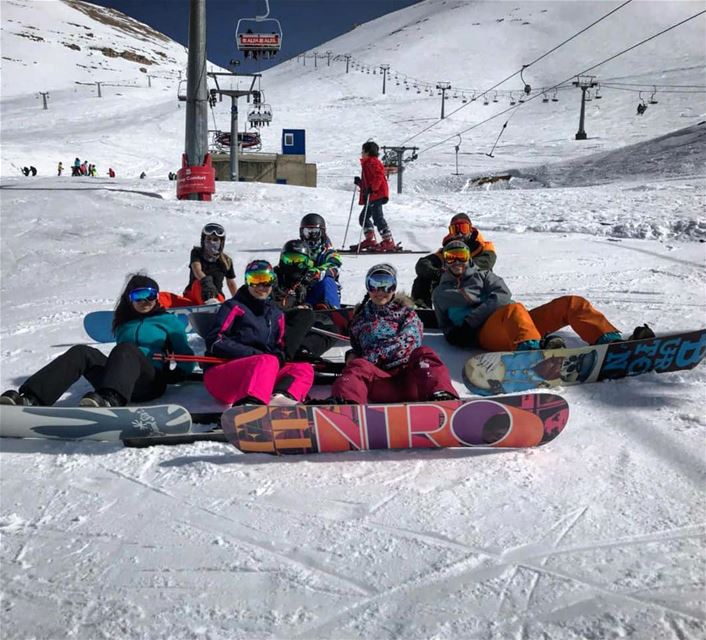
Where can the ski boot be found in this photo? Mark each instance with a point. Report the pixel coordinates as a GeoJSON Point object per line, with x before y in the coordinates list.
{"type": "Point", "coordinates": [369, 243]}
{"type": "Point", "coordinates": [552, 342]}
{"type": "Point", "coordinates": [12, 397]}
{"type": "Point", "coordinates": [387, 244]}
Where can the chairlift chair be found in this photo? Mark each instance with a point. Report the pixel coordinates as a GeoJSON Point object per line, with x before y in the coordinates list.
{"type": "Point", "coordinates": [259, 36]}
{"type": "Point", "coordinates": [486, 102]}
{"type": "Point", "coordinates": [545, 97]}
{"type": "Point", "coordinates": [463, 98]}
{"type": "Point", "coordinates": [554, 96]}
{"type": "Point", "coordinates": [652, 97]}
{"type": "Point", "coordinates": [513, 102]}
{"type": "Point", "coordinates": [495, 96]}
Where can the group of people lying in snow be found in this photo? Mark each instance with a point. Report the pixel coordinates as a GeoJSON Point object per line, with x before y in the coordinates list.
{"type": "Point", "coordinates": [262, 330]}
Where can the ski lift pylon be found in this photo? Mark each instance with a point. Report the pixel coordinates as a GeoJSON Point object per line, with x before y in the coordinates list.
{"type": "Point", "coordinates": [252, 36]}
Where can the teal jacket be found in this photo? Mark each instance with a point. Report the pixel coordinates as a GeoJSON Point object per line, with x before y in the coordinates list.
{"type": "Point", "coordinates": [157, 334]}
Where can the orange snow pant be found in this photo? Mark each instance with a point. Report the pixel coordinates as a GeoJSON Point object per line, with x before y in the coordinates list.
{"type": "Point", "coordinates": [507, 326]}
{"type": "Point", "coordinates": [192, 296]}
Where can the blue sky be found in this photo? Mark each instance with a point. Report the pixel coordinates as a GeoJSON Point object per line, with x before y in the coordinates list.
{"type": "Point", "coordinates": [305, 23]}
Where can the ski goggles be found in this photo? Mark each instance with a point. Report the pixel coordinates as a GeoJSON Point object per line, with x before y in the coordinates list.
{"type": "Point", "coordinates": [457, 254]}
{"type": "Point", "coordinates": [214, 229]}
{"type": "Point", "coordinates": [299, 260]}
{"type": "Point", "coordinates": [381, 282]}
{"type": "Point", "coordinates": [146, 294]}
{"type": "Point", "coordinates": [460, 228]}
{"type": "Point", "coordinates": [260, 275]}
{"type": "Point", "coordinates": [311, 233]}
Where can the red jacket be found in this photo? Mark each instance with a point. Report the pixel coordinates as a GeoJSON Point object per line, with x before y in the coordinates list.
{"type": "Point", "coordinates": [373, 178]}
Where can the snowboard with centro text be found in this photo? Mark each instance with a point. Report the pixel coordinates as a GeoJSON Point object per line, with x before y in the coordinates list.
{"type": "Point", "coordinates": [511, 421]}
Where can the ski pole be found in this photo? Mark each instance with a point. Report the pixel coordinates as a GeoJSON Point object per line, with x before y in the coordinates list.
{"type": "Point", "coordinates": [173, 357]}
{"type": "Point", "coordinates": [330, 334]}
{"type": "Point", "coordinates": [350, 214]}
{"type": "Point", "coordinates": [362, 226]}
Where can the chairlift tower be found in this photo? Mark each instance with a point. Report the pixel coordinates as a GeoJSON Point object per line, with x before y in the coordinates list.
{"type": "Point", "coordinates": [384, 68]}
{"type": "Point", "coordinates": [584, 83]}
{"type": "Point", "coordinates": [443, 87]}
{"type": "Point", "coordinates": [348, 60]}
{"type": "Point", "coordinates": [234, 95]}
{"type": "Point", "coordinates": [45, 97]}
{"type": "Point", "coordinates": [398, 152]}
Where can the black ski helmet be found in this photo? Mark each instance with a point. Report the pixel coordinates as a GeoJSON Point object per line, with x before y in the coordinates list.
{"type": "Point", "coordinates": [213, 229]}
{"type": "Point", "coordinates": [371, 148]}
{"type": "Point", "coordinates": [295, 246]}
{"type": "Point", "coordinates": [313, 221]}
{"type": "Point", "coordinates": [460, 217]}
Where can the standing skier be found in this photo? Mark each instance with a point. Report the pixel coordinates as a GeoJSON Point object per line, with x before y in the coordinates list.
{"type": "Point", "coordinates": [60, 169]}
{"type": "Point", "coordinates": [389, 363]}
{"type": "Point", "coordinates": [249, 329]}
{"type": "Point", "coordinates": [208, 267]}
{"type": "Point", "coordinates": [128, 374]}
{"type": "Point", "coordinates": [374, 192]}
{"type": "Point", "coordinates": [321, 280]}
{"type": "Point", "coordinates": [475, 307]}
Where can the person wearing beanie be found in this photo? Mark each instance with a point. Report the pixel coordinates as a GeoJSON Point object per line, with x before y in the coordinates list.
{"type": "Point", "coordinates": [209, 266]}
{"type": "Point", "coordinates": [388, 362]}
{"type": "Point", "coordinates": [374, 192]}
{"type": "Point", "coordinates": [430, 268]}
{"type": "Point", "coordinates": [475, 308]}
{"type": "Point", "coordinates": [128, 373]}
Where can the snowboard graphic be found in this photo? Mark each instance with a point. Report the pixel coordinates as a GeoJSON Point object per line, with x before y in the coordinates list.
{"type": "Point", "coordinates": [353, 250]}
{"type": "Point", "coordinates": [97, 324]}
{"type": "Point", "coordinates": [517, 371]}
{"type": "Point", "coordinates": [88, 423]}
{"type": "Point", "coordinates": [511, 421]}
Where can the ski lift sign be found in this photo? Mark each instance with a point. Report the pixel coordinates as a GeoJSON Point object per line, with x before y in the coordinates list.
{"type": "Point", "coordinates": [259, 40]}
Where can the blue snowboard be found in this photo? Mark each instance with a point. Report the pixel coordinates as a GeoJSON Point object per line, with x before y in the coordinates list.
{"type": "Point", "coordinates": [519, 371]}
{"type": "Point", "coordinates": [97, 324]}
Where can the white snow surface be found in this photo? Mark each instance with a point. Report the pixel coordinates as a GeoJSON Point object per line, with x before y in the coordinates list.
{"type": "Point", "coordinates": [599, 534]}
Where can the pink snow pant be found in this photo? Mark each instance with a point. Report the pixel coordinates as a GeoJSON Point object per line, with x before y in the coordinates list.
{"type": "Point", "coordinates": [362, 382]}
{"type": "Point", "coordinates": [258, 376]}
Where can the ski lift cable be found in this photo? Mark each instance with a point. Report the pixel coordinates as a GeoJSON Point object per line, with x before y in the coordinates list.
{"type": "Point", "coordinates": [544, 55]}
{"type": "Point", "coordinates": [585, 71]}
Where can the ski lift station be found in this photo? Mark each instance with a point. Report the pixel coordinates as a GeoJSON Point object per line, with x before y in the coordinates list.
{"type": "Point", "coordinates": [287, 167]}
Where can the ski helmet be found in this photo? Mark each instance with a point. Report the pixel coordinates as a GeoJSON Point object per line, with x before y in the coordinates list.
{"type": "Point", "coordinates": [259, 272]}
{"type": "Point", "coordinates": [213, 229]}
{"type": "Point", "coordinates": [295, 257]}
{"type": "Point", "coordinates": [371, 148]}
{"type": "Point", "coordinates": [456, 251]}
{"type": "Point", "coordinates": [312, 229]}
{"type": "Point", "coordinates": [381, 277]}
{"type": "Point", "coordinates": [460, 225]}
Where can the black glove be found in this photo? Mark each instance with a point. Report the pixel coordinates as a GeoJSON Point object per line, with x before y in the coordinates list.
{"type": "Point", "coordinates": [357, 181]}
{"type": "Point", "coordinates": [310, 276]}
{"type": "Point", "coordinates": [472, 242]}
{"type": "Point", "coordinates": [462, 336]}
{"type": "Point", "coordinates": [208, 288]}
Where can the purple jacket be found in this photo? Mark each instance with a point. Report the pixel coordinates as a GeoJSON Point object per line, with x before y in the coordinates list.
{"type": "Point", "coordinates": [387, 335]}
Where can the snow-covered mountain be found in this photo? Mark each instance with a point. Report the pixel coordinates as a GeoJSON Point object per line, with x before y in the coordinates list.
{"type": "Point", "coordinates": [598, 534]}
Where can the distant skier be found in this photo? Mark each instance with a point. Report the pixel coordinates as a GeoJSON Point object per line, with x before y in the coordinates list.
{"type": "Point", "coordinates": [128, 374]}
{"type": "Point", "coordinates": [388, 362]}
{"type": "Point", "coordinates": [60, 169]}
{"type": "Point", "coordinates": [321, 280]}
{"type": "Point", "coordinates": [25, 171]}
{"type": "Point", "coordinates": [111, 173]}
{"type": "Point", "coordinates": [475, 308]}
{"type": "Point", "coordinates": [143, 175]}
{"type": "Point", "coordinates": [374, 192]}
{"type": "Point", "coordinates": [76, 168]}
{"type": "Point", "coordinates": [33, 170]}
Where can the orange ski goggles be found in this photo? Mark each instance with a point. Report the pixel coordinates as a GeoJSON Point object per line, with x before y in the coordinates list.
{"type": "Point", "coordinates": [460, 228]}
